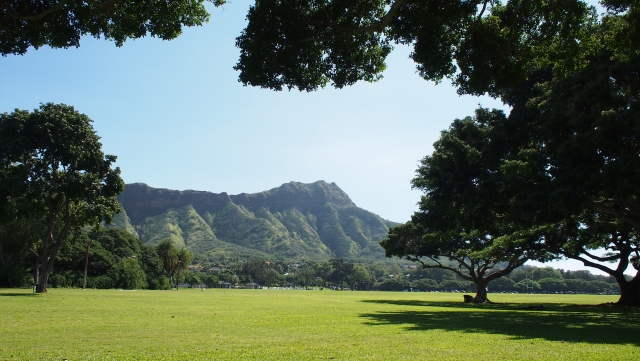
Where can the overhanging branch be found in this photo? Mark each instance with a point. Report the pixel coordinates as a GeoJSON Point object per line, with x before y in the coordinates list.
{"type": "Point", "coordinates": [616, 213]}
{"type": "Point", "coordinates": [106, 7]}
{"type": "Point", "coordinates": [377, 27]}
{"type": "Point", "coordinates": [588, 263]}
{"type": "Point", "coordinates": [42, 14]}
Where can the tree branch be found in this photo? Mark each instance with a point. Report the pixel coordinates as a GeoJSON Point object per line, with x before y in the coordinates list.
{"type": "Point", "coordinates": [600, 259]}
{"type": "Point", "coordinates": [106, 8]}
{"type": "Point", "coordinates": [484, 7]}
{"type": "Point", "coordinates": [588, 263]}
{"type": "Point", "coordinates": [378, 27]}
{"type": "Point", "coordinates": [616, 213]}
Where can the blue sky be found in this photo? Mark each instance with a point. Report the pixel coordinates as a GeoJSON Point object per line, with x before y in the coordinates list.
{"type": "Point", "coordinates": [176, 116]}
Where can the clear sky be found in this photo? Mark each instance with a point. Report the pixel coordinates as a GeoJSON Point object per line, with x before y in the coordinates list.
{"type": "Point", "coordinates": [176, 116]}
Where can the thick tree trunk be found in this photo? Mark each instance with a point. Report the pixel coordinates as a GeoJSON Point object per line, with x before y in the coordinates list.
{"type": "Point", "coordinates": [481, 292]}
{"type": "Point", "coordinates": [629, 292]}
{"type": "Point", "coordinates": [46, 269]}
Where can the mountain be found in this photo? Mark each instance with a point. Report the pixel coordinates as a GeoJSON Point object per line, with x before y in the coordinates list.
{"type": "Point", "coordinates": [316, 220]}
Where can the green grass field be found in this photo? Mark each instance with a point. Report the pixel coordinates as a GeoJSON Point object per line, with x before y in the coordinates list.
{"type": "Point", "coordinates": [310, 325]}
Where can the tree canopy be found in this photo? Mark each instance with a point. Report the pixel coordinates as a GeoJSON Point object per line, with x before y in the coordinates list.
{"type": "Point", "coordinates": [61, 24]}
{"type": "Point", "coordinates": [561, 170]}
{"type": "Point", "coordinates": [54, 180]}
{"type": "Point", "coordinates": [468, 194]}
{"type": "Point", "coordinates": [175, 260]}
{"type": "Point", "coordinates": [481, 45]}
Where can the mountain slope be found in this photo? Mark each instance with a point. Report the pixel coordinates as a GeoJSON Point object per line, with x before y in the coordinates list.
{"type": "Point", "coordinates": [316, 220]}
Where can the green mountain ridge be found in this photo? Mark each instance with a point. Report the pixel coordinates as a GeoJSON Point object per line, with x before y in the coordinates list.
{"type": "Point", "coordinates": [317, 221]}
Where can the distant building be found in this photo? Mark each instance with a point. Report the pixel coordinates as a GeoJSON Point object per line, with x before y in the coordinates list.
{"type": "Point", "coordinates": [252, 286]}
{"type": "Point", "coordinates": [218, 268]}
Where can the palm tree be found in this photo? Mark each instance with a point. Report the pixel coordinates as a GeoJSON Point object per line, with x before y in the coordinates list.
{"type": "Point", "coordinates": [169, 255]}
{"type": "Point", "coordinates": [183, 259]}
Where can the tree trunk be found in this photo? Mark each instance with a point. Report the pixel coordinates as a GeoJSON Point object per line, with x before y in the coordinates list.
{"type": "Point", "coordinates": [629, 292]}
{"type": "Point", "coordinates": [86, 265]}
{"type": "Point", "coordinates": [46, 267]}
{"type": "Point", "coordinates": [481, 292]}
{"type": "Point", "coordinates": [36, 271]}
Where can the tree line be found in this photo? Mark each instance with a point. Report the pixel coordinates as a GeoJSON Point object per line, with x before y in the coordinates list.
{"type": "Point", "coordinates": [109, 258]}
{"type": "Point", "coordinates": [345, 275]}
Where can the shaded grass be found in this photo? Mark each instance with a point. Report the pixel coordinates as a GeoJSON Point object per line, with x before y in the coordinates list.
{"type": "Point", "coordinates": [309, 325]}
{"type": "Point", "coordinates": [598, 324]}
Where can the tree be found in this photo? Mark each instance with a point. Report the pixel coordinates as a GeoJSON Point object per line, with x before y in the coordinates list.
{"type": "Point", "coordinates": [169, 255]}
{"type": "Point", "coordinates": [481, 45]}
{"type": "Point", "coordinates": [324, 271]}
{"type": "Point", "coordinates": [425, 284]}
{"type": "Point", "coordinates": [360, 274]}
{"type": "Point", "coordinates": [472, 255]}
{"type": "Point", "coordinates": [173, 259]}
{"type": "Point", "coordinates": [467, 192]}
{"type": "Point", "coordinates": [589, 125]}
{"type": "Point", "coordinates": [61, 24]}
{"type": "Point", "coordinates": [576, 172]}
{"type": "Point", "coordinates": [183, 260]}
{"type": "Point", "coordinates": [306, 276]}
{"type": "Point", "coordinates": [341, 271]}
{"type": "Point", "coordinates": [502, 284]}
{"type": "Point", "coordinates": [552, 284]}
{"type": "Point", "coordinates": [128, 274]}
{"type": "Point", "coordinates": [53, 172]}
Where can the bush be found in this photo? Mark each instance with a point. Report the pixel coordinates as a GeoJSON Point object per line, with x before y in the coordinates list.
{"type": "Point", "coordinates": [159, 283]}
{"type": "Point", "coordinates": [128, 274]}
{"type": "Point", "coordinates": [15, 275]}
{"type": "Point", "coordinates": [501, 284]}
{"type": "Point", "coordinates": [425, 284]}
{"type": "Point", "coordinates": [451, 285]}
{"type": "Point", "coordinates": [553, 285]}
{"type": "Point", "coordinates": [392, 285]}
{"type": "Point", "coordinates": [64, 279]}
{"type": "Point", "coordinates": [100, 282]}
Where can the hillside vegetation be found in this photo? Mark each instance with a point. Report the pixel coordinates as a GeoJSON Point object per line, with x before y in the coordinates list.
{"type": "Point", "coordinates": [316, 220]}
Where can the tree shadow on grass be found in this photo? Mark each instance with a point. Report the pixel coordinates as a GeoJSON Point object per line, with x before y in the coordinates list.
{"type": "Point", "coordinates": [19, 294]}
{"type": "Point", "coordinates": [557, 322]}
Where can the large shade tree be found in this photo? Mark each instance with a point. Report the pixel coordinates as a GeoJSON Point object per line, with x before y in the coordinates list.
{"type": "Point", "coordinates": [61, 23]}
{"type": "Point", "coordinates": [587, 130]}
{"type": "Point", "coordinates": [462, 225]}
{"type": "Point", "coordinates": [563, 166]}
{"type": "Point", "coordinates": [54, 180]}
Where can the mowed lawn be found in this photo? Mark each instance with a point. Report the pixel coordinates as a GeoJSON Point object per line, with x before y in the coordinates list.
{"type": "Point", "coordinates": [310, 325]}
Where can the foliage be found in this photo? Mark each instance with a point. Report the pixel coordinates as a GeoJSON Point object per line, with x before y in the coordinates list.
{"type": "Point", "coordinates": [174, 260]}
{"type": "Point", "coordinates": [483, 46]}
{"type": "Point", "coordinates": [55, 177]}
{"type": "Point", "coordinates": [116, 260]}
{"type": "Point", "coordinates": [61, 24]}
{"type": "Point", "coordinates": [393, 284]}
{"type": "Point", "coordinates": [128, 274]}
{"type": "Point", "coordinates": [466, 193]}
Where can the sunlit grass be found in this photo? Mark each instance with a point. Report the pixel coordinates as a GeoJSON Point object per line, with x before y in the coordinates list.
{"type": "Point", "coordinates": [310, 325]}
